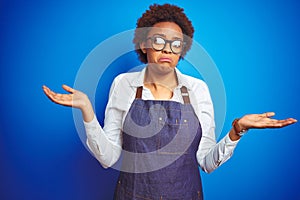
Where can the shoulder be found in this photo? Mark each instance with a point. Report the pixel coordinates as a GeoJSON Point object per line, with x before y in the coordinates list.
{"type": "Point", "coordinates": [124, 84]}
{"type": "Point", "coordinates": [198, 90]}
{"type": "Point", "coordinates": [126, 77]}
{"type": "Point", "coordinates": [194, 84]}
{"type": "Point", "coordinates": [127, 80]}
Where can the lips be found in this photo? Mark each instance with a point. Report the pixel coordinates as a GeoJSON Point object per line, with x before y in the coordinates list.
{"type": "Point", "coordinates": [165, 59]}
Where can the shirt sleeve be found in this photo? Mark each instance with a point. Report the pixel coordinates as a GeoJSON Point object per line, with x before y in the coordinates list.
{"type": "Point", "coordinates": [105, 143]}
{"type": "Point", "coordinates": [211, 155]}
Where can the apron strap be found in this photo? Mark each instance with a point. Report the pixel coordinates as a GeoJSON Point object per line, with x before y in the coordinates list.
{"type": "Point", "coordinates": [138, 94]}
{"type": "Point", "coordinates": [185, 95]}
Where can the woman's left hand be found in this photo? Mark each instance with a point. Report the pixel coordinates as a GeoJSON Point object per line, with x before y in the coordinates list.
{"type": "Point", "coordinates": [259, 121]}
{"type": "Point", "coordinates": [263, 121]}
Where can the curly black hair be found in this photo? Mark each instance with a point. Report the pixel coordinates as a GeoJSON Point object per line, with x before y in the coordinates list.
{"type": "Point", "coordinates": [162, 13]}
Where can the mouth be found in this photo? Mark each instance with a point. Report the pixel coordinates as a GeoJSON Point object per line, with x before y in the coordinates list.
{"type": "Point", "coordinates": [168, 60]}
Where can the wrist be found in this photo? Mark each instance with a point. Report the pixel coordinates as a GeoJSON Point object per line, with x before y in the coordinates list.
{"type": "Point", "coordinates": [86, 106]}
{"type": "Point", "coordinates": [238, 128]}
{"type": "Point", "coordinates": [87, 112]}
{"type": "Point", "coordinates": [85, 103]}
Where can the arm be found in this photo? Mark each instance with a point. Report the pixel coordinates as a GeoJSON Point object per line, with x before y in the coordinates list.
{"type": "Point", "coordinates": [258, 121]}
{"type": "Point", "coordinates": [105, 145]}
{"type": "Point", "coordinates": [210, 154]}
{"type": "Point", "coordinates": [76, 99]}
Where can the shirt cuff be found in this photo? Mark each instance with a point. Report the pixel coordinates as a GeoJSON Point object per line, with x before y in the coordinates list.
{"type": "Point", "coordinates": [230, 142]}
{"type": "Point", "coordinates": [92, 128]}
{"type": "Point", "coordinates": [94, 122]}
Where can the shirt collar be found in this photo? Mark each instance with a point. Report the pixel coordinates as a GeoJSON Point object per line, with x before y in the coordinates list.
{"type": "Point", "coordinates": [139, 80]}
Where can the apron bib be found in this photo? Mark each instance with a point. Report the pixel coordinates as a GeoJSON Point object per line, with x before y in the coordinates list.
{"type": "Point", "coordinates": [160, 141]}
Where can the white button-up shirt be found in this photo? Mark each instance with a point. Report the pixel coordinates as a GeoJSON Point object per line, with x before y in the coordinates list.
{"type": "Point", "coordinates": [106, 142]}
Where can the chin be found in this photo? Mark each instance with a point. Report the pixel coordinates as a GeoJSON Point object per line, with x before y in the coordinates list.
{"type": "Point", "coordinates": [165, 68]}
{"type": "Point", "coordinates": [162, 67]}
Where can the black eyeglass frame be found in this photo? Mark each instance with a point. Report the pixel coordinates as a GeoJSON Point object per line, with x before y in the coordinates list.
{"type": "Point", "coordinates": [166, 42]}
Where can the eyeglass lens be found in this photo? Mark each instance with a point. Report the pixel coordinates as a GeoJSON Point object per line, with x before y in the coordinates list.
{"type": "Point", "coordinates": [159, 43]}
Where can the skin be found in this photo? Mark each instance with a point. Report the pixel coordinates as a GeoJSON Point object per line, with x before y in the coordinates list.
{"type": "Point", "coordinates": [160, 79]}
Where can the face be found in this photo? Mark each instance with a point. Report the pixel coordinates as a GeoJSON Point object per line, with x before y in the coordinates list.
{"type": "Point", "coordinates": [165, 56]}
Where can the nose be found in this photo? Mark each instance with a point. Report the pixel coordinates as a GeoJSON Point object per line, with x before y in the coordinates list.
{"type": "Point", "coordinates": [167, 48]}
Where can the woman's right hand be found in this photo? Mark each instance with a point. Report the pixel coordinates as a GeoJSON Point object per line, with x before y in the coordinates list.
{"type": "Point", "coordinates": [75, 98]}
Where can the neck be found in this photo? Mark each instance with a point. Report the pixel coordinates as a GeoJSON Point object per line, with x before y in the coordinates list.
{"type": "Point", "coordinates": [161, 78]}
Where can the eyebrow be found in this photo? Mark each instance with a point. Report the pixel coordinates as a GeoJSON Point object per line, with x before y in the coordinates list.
{"type": "Point", "coordinates": [163, 35]}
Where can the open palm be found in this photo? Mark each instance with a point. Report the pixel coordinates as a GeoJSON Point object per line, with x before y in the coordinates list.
{"type": "Point", "coordinates": [75, 98]}
{"type": "Point", "coordinates": [264, 121]}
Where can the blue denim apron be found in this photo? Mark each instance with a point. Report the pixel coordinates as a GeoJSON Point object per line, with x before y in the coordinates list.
{"type": "Point", "coordinates": [160, 141]}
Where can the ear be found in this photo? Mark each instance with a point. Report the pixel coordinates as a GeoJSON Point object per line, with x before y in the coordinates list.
{"type": "Point", "coordinates": [143, 47]}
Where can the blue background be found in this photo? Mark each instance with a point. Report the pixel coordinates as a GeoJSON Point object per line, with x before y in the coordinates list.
{"type": "Point", "coordinates": [255, 45]}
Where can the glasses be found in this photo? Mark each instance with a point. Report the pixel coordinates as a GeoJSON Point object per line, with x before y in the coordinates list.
{"type": "Point", "coordinates": [158, 43]}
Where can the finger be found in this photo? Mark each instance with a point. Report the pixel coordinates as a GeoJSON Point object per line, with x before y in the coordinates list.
{"type": "Point", "coordinates": [268, 114]}
{"type": "Point", "coordinates": [68, 88]}
{"type": "Point", "coordinates": [50, 96]}
{"type": "Point", "coordinates": [47, 91]}
{"type": "Point", "coordinates": [63, 102]}
{"type": "Point", "coordinates": [292, 119]}
{"type": "Point", "coordinates": [280, 123]}
{"type": "Point", "coordinates": [288, 120]}
{"type": "Point", "coordinates": [63, 99]}
{"type": "Point", "coordinates": [54, 95]}
{"type": "Point", "coordinates": [50, 93]}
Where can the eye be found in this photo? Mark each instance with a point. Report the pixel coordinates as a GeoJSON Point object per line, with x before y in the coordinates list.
{"type": "Point", "coordinates": [177, 43]}
{"type": "Point", "coordinates": [158, 40]}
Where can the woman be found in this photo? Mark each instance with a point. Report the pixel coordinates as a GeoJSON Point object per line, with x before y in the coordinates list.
{"type": "Point", "coordinates": [158, 121]}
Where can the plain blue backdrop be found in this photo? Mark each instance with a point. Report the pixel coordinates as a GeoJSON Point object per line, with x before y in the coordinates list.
{"type": "Point", "coordinates": [255, 45]}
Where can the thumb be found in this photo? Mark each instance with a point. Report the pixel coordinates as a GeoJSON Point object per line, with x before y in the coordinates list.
{"type": "Point", "coordinates": [269, 114]}
{"type": "Point", "coordinates": [68, 88]}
